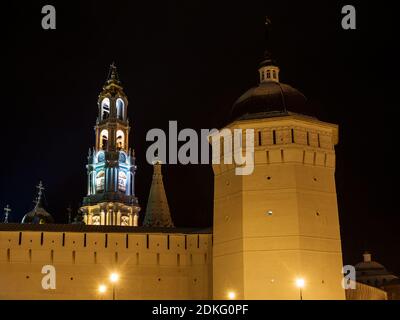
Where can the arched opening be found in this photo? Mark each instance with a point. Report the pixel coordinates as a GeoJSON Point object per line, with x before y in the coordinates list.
{"type": "Point", "coordinates": [122, 181]}
{"type": "Point", "coordinates": [104, 139]}
{"type": "Point", "coordinates": [105, 108]}
{"type": "Point", "coordinates": [100, 181]}
{"type": "Point", "coordinates": [120, 109]}
{"type": "Point", "coordinates": [120, 140]}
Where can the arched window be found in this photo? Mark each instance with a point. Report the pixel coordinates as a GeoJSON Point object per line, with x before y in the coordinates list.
{"type": "Point", "coordinates": [120, 140]}
{"type": "Point", "coordinates": [122, 181]}
{"type": "Point", "coordinates": [105, 108]}
{"type": "Point", "coordinates": [120, 109]}
{"type": "Point", "coordinates": [104, 139]}
{"type": "Point", "coordinates": [100, 181]}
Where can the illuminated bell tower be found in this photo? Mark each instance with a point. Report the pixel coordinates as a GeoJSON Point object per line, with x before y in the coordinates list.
{"type": "Point", "coordinates": [111, 165]}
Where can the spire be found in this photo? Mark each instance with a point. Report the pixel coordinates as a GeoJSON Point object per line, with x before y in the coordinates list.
{"type": "Point", "coordinates": [268, 69]}
{"type": "Point", "coordinates": [157, 211]}
{"type": "Point", "coordinates": [38, 200]}
{"type": "Point", "coordinates": [113, 74]}
{"type": "Point", "coordinates": [7, 211]}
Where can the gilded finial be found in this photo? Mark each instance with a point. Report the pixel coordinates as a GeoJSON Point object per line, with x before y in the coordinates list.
{"type": "Point", "coordinates": [112, 73]}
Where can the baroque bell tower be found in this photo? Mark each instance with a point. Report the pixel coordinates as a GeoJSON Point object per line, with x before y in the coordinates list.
{"type": "Point", "coordinates": [111, 165]}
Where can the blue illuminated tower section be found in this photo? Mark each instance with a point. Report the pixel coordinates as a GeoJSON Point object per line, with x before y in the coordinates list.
{"type": "Point", "coordinates": [111, 165]}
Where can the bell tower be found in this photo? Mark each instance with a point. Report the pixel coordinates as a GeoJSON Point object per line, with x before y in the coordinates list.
{"type": "Point", "coordinates": [111, 165]}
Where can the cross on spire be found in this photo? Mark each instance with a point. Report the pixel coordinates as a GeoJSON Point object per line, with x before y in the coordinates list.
{"type": "Point", "coordinates": [268, 68]}
{"type": "Point", "coordinates": [7, 211]}
{"type": "Point", "coordinates": [268, 24]}
{"type": "Point", "coordinates": [40, 187]}
{"type": "Point", "coordinates": [40, 192]}
{"type": "Point", "coordinates": [112, 73]}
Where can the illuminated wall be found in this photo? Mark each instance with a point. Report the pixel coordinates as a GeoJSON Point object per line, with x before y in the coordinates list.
{"type": "Point", "coordinates": [151, 265]}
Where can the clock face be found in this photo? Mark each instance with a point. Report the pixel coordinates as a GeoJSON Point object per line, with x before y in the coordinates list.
{"type": "Point", "coordinates": [122, 157]}
{"type": "Point", "coordinates": [101, 157]}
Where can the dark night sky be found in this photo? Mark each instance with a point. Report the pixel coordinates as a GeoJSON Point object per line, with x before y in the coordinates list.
{"type": "Point", "coordinates": [189, 61]}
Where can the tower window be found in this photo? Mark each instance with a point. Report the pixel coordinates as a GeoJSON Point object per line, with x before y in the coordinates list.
{"type": "Point", "coordinates": [120, 140]}
{"type": "Point", "coordinates": [105, 108]}
{"type": "Point", "coordinates": [274, 74]}
{"type": "Point", "coordinates": [273, 136]}
{"type": "Point", "coordinates": [104, 139]}
{"type": "Point", "coordinates": [268, 74]}
{"type": "Point", "coordinates": [120, 109]}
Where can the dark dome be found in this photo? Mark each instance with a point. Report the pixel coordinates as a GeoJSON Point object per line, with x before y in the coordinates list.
{"type": "Point", "coordinates": [268, 98]}
{"type": "Point", "coordinates": [38, 216]}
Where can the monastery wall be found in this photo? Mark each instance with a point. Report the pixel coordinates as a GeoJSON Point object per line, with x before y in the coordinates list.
{"type": "Point", "coordinates": [151, 265]}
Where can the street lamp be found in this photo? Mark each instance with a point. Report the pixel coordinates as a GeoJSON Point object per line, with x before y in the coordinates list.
{"type": "Point", "coordinates": [102, 289]}
{"type": "Point", "coordinates": [300, 284]}
{"type": "Point", "coordinates": [231, 295]}
{"type": "Point", "coordinates": [114, 277]}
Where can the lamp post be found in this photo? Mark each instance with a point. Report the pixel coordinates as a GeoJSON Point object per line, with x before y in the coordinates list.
{"type": "Point", "coordinates": [102, 290]}
{"type": "Point", "coordinates": [300, 284]}
{"type": "Point", "coordinates": [231, 295]}
{"type": "Point", "coordinates": [114, 277]}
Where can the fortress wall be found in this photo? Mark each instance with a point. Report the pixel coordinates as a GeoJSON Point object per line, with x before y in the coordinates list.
{"type": "Point", "coordinates": [151, 265]}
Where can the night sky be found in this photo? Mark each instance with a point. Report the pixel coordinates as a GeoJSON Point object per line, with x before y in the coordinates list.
{"type": "Point", "coordinates": [189, 61]}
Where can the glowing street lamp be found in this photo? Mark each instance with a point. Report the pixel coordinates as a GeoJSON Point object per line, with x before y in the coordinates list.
{"type": "Point", "coordinates": [102, 289]}
{"type": "Point", "coordinates": [114, 277]}
{"type": "Point", "coordinates": [300, 283]}
{"type": "Point", "coordinates": [231, 295]}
